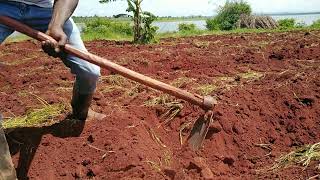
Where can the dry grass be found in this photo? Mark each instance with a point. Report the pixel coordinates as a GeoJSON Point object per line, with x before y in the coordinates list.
{"type": "Point", "coordinates": [206, 89]}
{"type": "Point", "coordinates": [300, 157]}
{"type": "Point", "coordinates": [201, 44]}
{"type": "Point", "coordinates": [19, 61]}
{"type": "Point", "coordinates": [36, 117]}
{"type": "Point", "coordinates": [251, 75]}
{"type": "Point", "coordinates": [181, 82]}
{"type": "Point", "coordinates": [118, 82]}
{"type": "Point", "coordinates": [173, 108]}
{"type": "Point", "coordinates": [164, 161]}
{"type": "Point", "coordinates": [226, 83]}
{"type": "Point", "coordinates": [182, 128]}
{"type": "Point", "coordinates": [155, 137]}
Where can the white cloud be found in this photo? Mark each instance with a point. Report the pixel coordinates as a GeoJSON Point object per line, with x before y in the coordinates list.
{"type": "Point", "coordinates": [193, 7]}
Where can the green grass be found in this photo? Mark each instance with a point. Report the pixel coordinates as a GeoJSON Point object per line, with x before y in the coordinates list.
{"type": "Point", "coordinates": [115, 35]}
{"type": "Point", "coordinates": [110, 36]}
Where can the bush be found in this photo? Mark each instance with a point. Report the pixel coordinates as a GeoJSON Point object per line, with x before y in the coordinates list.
{"type": "Point", "coordinates": [316, 24]}
{"type": "Point", "coordinates": [212, 24]}
{"type": "Point", "coordinates": [229, 14]}
{"type": "Point", "coordinates": [184, 27]}
{"type": "Point", "coordinates": [287, 23]}
{"type": "Point", "coordinates": [105, 26]}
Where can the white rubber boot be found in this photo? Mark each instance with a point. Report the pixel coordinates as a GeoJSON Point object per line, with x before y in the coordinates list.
{"type": "Point", "coordinates": [7, 171]}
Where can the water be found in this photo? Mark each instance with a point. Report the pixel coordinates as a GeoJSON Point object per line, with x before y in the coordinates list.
{"type": "Point", "coordinates": [174, 25]}
{"type": "Point", "coordinates": [307, 19]}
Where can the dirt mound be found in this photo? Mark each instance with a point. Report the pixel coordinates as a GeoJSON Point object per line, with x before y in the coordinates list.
{"type": "Point", "coordinates": [267, 84]}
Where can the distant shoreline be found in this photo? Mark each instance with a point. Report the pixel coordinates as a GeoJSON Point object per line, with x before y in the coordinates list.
{"type": "Point", "coordinates": [287, 14]}
{"type": "Point", "coordinates": [168, 18]}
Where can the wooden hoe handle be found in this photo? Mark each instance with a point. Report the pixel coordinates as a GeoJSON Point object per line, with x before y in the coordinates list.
{"type": "Point", "coordinates": [205, 102]}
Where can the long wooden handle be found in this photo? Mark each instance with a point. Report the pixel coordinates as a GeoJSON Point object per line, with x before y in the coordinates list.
{"type": "Point", "coordinates": [206, 102]}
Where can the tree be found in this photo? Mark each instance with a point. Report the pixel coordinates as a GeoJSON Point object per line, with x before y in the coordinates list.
{"type": "Point", "coordinates": [229, 14]}
{"type": "Point", "coordinates": [143, 31]}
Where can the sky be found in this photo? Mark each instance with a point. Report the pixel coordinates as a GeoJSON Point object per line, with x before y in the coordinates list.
{"type": "Point", "coordinates": [193, 7]}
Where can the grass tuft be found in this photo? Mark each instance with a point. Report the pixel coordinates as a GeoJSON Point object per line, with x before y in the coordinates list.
{"type": "Point", "coordinates": [36, 117]}
{"type": "Point", "coordinates": [302, 157]}
{"type": "Point", "coordinates": [174, 108]}
{"type": "Point", "coordinates": [181, 82]}
{"type": "Point", "coordinates": [155, 137]}
{"type": "Point", "coordinates": [251, 75]}
{"type": "Point", "coordinates": [206, 89]}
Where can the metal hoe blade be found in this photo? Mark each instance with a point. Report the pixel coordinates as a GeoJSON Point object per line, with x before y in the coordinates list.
{"type": "Point", "coordinates": [200, 130]}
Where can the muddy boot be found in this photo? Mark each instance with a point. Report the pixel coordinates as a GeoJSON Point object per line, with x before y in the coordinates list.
{"type": "Point", "coordinates": [7, 171]}
{"type": "Point", "coordinates": [80, 107]}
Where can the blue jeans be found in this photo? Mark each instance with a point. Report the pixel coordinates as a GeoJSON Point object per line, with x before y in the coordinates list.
{"type": "Point", "coordinates": [87, 74]}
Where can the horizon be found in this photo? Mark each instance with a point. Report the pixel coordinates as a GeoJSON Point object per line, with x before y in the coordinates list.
{"type": "Point", "coordinates": [270, 14]}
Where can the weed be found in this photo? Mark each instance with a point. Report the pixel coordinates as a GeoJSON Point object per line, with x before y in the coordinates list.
{"type": "Point", "coordinates": [35, 117]}
{"type": "Point", "coordinates": [154, 136]}
{"type": "Point", "coordinates": [115, 82]}
{"type": "Point", "coordinates": [201, 44]}
{"type": "Point", "coordinates": [302, 156]}
{"type": "Point", "coordinates": [182, 128]}
{"type": "Point", "coordinates": [160, 100]}
{"type": "Point", "coordinates": [251, 75]}
{"type": "Point", "coordinates": [174, 108]}
{"type": "Point", "coordinates": [165, 160]}
{"type": "Point", "coordinates": [181, 82]}
{"type": "Point", "coordinates": [154, 165]}
{"type": "Point", "coordinates": [206, 89]}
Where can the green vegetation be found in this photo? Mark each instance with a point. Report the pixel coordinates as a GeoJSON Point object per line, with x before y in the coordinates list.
{"type": "Point", "coordinates": [143, 31]}
{"type": "Point", "coordinates": [212, 24]}
{"type": "Point", "coordinates": [286, 23]}
{"type": "Point", "coordinates": [101, 28]}
{"type": "Point", "coordinates": [316, 24]}
{"type": "Point", "coordinates": [184, 27]}
{"type": "Point", "coordinates": [228, 15]}
{"type": "Point", "coordinates": [148, 31]}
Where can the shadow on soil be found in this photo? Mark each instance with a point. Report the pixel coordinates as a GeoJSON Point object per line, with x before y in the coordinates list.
{"type": "Point", "coordinates": [26, 141]}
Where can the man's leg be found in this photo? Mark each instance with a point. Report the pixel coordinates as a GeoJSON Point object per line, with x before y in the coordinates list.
{"type": "Point", "coordinates": [87, 74]}
{"type": "Point", "coordinates": [7, 170]}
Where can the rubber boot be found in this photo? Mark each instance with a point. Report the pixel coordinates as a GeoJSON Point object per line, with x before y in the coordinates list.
{"type": "Point", "coordinates": [7, 171]}
{"type": "Point", "coordinates": [80, 107]}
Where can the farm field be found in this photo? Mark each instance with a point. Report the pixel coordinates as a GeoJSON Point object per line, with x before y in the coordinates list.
{"type": "Point", "coordinates": [268, 91]}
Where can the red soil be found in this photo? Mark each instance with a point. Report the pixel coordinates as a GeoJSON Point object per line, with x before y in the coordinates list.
{"type": "Point", "coordinates": [281, 109]}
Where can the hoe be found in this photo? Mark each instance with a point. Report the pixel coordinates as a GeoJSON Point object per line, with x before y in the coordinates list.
{"type": "Point", "coordinates": [201, 126]}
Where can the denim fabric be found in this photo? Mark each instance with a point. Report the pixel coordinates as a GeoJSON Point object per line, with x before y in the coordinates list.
{"type": "Point", "coordinates": [87, 74]}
